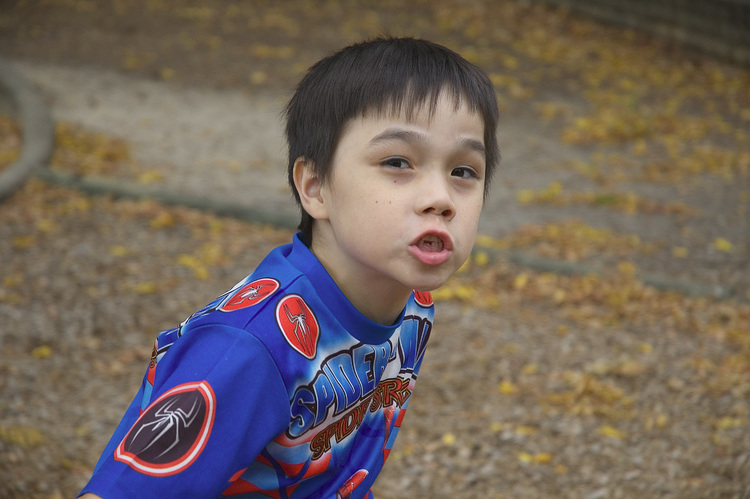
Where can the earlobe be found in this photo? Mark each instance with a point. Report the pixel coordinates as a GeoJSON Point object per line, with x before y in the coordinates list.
{"type": "Point", "coordinates": [309, 187]}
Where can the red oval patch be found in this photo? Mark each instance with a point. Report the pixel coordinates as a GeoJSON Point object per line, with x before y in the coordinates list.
{"type": "Point", "coordinates": [251, 294]}
{"type": "Point", "coordinates": [351, 484]}
{"type": "Point", "coordinates": [298, 324]}
{"type": "Point", "coordinates": [172, 431]}
{"type": "Point", "coordinates": [423, 298]}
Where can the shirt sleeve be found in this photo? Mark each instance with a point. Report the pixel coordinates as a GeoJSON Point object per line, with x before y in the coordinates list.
{"type": "Point", "coordinates": [217, 400]}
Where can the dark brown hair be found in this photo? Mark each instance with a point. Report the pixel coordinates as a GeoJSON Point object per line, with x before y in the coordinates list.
{"type": "Point", "coordinates": [380, 76]}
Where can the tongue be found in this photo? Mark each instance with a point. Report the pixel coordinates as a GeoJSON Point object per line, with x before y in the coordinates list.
{"type": "Point", "coordinates": [431, 244]}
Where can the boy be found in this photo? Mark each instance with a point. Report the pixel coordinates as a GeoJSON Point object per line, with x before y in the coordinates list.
{"type": "Point", "coordinates": [295, 382]}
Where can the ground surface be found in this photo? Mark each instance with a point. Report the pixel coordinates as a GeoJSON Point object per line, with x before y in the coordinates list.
{"type": "Point", "coordinates": [621, 154]}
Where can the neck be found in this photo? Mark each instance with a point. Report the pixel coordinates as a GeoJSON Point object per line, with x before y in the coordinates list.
{"type": "Point", "coordinates": [376, 298]}
{"type": "Point", "coordinates": [383, 308]}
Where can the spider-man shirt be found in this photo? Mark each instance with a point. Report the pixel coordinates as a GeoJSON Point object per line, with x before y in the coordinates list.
{"type": "Point", "coordinates": [279, 388]}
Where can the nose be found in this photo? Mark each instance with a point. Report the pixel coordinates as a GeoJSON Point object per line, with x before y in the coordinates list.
{"type": "Point", "coordinates": [436, 199]}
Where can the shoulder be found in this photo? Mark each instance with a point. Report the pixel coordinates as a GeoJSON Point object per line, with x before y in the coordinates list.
{"type": "Point", "coordinates": [256, 294]}
{"type": "Point", "coordinates": [254, 305]}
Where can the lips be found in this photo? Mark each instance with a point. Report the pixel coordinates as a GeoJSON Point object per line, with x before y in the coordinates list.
{"type": "Point", "coordinates": [432, 248]}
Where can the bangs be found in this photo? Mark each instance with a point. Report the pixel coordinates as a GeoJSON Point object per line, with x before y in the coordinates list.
{"type": "Point", "coordinates": [404, 77]}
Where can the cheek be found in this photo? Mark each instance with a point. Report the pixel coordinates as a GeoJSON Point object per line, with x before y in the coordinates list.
{"type": "Point", "coordinates": [470, 221]}
{"type": "Point", "coordinates": [382, 199]}
{"type": "Point", "coordinates": [471, 210]}
{"type": "Point", "coordinates": [382, 203]}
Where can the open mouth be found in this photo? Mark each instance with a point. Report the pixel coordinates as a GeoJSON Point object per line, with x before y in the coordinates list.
{"type": "Point", "coordinates": [431, 243]}
{"type": "Point", "coordinates": [432, 249]}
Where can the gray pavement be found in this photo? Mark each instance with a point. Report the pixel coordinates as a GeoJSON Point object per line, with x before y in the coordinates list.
{"type": "Point", "coordinates": [224, 150]}
{"type": "Point", "coordinates": [227, 146]}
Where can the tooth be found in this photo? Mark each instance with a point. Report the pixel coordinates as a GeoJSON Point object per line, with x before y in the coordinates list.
{"type": "Point", "coordinates": [432, 243]}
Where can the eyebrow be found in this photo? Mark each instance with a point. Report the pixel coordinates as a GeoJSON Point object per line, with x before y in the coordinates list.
{"type": "Point", "coordinates": [410, 136]}
{"type": "Point", "coordinates": [398, 135]}
{"type": "Point", "coordinates": [474, 145]}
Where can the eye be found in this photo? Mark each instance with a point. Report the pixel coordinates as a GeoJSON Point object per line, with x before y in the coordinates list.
{"type": "Point", "coordinates": [464, 172]}
{"type": "Point", "coordinates": [397, 163]}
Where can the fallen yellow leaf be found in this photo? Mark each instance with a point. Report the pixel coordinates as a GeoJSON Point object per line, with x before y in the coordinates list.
{"type": "Point", "coordinates": [41, 352]}
{"type": "Point", "coordinates": [521, 281]}
{"type": "Point", "coordinates": [24, 436]}
{"type": "Point", "coordinates": [679, 252]}
{"type": "Point", "coordinates": [525, 196]}
{"type": "Point", "coordinates": [481, 258]}
{"type": "Point", "coordinates": [539, 458]}
{"type": "Point", "coordinates": [662, 420]}
{"type": "Point", "coordinates": [507, 388]}
{"type": "Point", "coordinates": [449, 439]}
{"type": "Point", "coordinates": [163, 219]}
{"type": "Point", "coordinates": [530, 369]}
{"type": "Point", "coordinates": [119, 251]}
{"type": "Point", "coordinates": [612, 432]}
{"type": "Point", "coordinates": [151, 176]}
{"type": "Point", "coordinates": [525, 457]}
{"type": "Point", "coordinates": [728, 423]}
{"type": "Point", "coordinates": [144, 288]}
{"type": "Point", "coordinates": [525, 431]}
{"type": "Point", "coordinates": [23, 242]}
{"type": "Point", "coordinates": [722, 244]}
{"type": "Point", "coordinates": [543, 457]}
{"type": "Point", "coordinates": [167, 74]}
{"type": "Point", "coordinates": [258, 77]}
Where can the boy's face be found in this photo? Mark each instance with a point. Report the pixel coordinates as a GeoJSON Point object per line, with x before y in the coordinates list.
{"type": "Point", "coordinates": [400, 207]}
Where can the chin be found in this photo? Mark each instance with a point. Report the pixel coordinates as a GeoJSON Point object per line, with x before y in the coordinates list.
{"type": "Point", "coordinates": [429, 285]}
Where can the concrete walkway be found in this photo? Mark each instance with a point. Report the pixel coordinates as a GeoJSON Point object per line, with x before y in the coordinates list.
{"type": "Point", "coordinates": [226, 147]}
{"type": "Point", "coordinates": [223, 150]}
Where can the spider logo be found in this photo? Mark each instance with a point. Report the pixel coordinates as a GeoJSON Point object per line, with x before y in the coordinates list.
{"type": "Point", "coordinates": [301, 329]}
{"type": "Point", "coordinates": [169, 422]}
{"type": "Point", "coordinates": [171, 432]}
{"type": "Point", "coordinates": [251, 294]}
{"type": "Point", "coordinates": [298, 324]}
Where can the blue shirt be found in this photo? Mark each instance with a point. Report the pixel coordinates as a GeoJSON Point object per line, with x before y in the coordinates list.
{"type": "Point", "coordinates": [278, 388]}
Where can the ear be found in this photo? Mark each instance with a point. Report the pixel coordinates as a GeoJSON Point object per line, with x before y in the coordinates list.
{"type": "Point", "coordinates": [309, 187]}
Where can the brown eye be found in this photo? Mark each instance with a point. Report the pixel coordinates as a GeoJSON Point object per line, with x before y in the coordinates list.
{"type": "Point", "coordinates": [464, 172]}
{"type": "Point", "coordinates": [399, 163]}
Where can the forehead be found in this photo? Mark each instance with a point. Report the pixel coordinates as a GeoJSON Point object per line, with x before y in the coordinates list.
{"type": "Point", "coordinates": [441, 106]}
{"type": "Point", "coordinates": [410, 108]}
